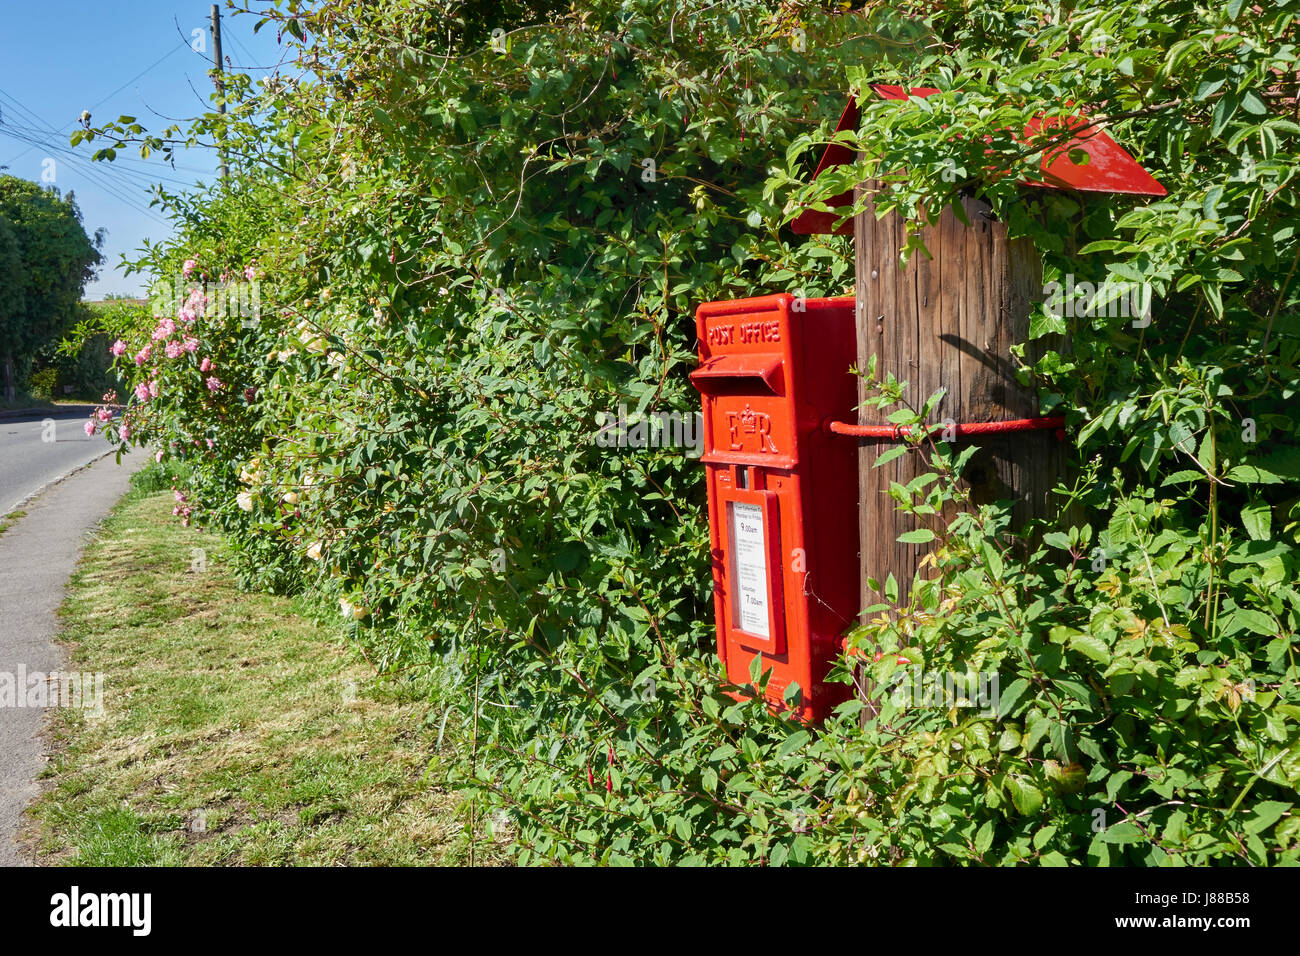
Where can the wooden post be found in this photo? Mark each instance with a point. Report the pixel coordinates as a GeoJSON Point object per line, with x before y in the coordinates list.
{"type": "Point", "coordinates": [948, 322]}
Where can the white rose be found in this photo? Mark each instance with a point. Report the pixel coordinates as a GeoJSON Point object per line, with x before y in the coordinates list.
{"type": "Point", "coordinates": [244, 500]}
{"type": "Point", "coordinates": [313, 550]}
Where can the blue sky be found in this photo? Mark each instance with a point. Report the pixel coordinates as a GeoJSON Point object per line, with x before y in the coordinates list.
{"type": "Point", "coordinates": [113, 57]}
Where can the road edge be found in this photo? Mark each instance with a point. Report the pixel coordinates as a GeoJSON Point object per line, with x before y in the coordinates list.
{"type": "Point", "coordinates": [23, 502]}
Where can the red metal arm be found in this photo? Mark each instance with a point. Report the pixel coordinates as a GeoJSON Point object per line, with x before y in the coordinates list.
{"type": "Point", "coordinates": [897, 432]}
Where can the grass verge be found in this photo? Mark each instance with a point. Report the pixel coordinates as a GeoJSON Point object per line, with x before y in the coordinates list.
{"type": "Point", "coordinates": [7, 521]}
{"type": "Point", "coordinates": [23, 400]}
{"type": "Point", "coordinates": [236, 730]}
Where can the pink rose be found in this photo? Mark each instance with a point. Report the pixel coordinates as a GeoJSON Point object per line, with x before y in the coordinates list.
{"type": "Point", "coordinates": [123, 431]}
{"type": "Point", "coordinates": [142, 391]}
{"type": "Point", "coordinates": [154, 389]}
{"type": "Point", "coordinates": [118, 347]}
{"type": "Point", "coordinates": [175, 350]}
{"type": "Point", "coordinates": [188, 269]}
{"type": "Point", "coordinates": [142, 356]}
{"type": "Point", "coordinates": [205, 365]}
{"type": "Point", "coordinates": [89, 427]}
{"type": "Point", "coordinates": [214, 384]}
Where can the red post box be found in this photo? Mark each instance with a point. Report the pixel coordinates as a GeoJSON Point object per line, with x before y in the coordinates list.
{"type": "Point", "coordinates": [783, 492]}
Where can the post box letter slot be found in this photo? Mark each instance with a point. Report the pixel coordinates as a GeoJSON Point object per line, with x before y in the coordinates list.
{"type": "Point", "coordinates": [744, 372]}
{"type": "Point", "coordinates": [753, 537]}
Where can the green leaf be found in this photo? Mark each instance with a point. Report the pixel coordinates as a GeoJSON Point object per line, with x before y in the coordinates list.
{"type": "Point", "coordinates": [919, 536]}
{"type": "Point", "coordinates": [1036, 726]}
{"type": "Point", "coordinates": [984, 838]}
{"type": "Point", "coordinates": [795, 741]}
{"type": "Point", "coordinates": [1057, 539]}
{"type": "Point", "coordinates": [1206, 88]}
{"type": "Point", "coordinates": [1251, 103]}
{"type": "Point", "coordinates": [1011, 696]}
{"type": "Point", "coordinates": [1257, 519]}
{"type": "Point", "coordinates": [885, 457]}
{"type": "Point", "coordinates": [1257, 552]}
{"type": "Point", "coordinates": [1266, 814]}
{"type": "Point", "coordinates": [1252, 620]}
{"type": "Point", "coordinates": [1027, 798]}
{"type": "Point", "coordinates": [1091, 647]}
{"type": "Point", "coordinates": [1122, 832]}
{"type": "Point", "coordinates": [1253, 475]}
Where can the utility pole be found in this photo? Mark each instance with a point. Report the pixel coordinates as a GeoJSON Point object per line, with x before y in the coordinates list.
{"type": "Point", "coordinates": [219, 80]}
{"type": "Point", "coordinates": [948, 322]}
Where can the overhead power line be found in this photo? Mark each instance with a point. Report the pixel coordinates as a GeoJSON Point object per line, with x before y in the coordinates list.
{"type": "Point", "coordinates": [158, 62]}
{"type": "Point", "coordinates": [115, 191]}
{"type": "Point", "coordinates": [97, 177]}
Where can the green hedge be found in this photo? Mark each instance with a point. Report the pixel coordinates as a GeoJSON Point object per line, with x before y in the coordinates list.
{"type": "Point", "coordinates": [470, 252]}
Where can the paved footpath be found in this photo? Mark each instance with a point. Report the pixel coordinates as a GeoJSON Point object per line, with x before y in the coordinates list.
{"type": "Point", "coordinates": [37, 554]}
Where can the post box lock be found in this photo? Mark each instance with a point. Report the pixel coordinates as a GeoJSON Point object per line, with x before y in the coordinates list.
{"type": "Point", "coordinates": [782, 490]}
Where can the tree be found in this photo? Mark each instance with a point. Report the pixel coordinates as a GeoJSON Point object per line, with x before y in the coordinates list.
{"type": "Point", "coordinates": [12, 297]}
{"type": "Point", "coordinates": [46, 258]}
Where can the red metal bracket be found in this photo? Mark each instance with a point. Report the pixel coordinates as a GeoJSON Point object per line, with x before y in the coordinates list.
{"type": "Point", "coordinates": [898, 432]}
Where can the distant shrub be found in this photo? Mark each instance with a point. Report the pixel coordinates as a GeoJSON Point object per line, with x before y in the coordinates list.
{"type": "Point", "coordinates": [41, 384]}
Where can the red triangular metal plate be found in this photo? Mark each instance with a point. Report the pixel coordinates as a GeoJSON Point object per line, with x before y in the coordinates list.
{"type": "Point", "coordinates": [1109, 167]}
{"type": "Point", "coordinates": [814, 221]}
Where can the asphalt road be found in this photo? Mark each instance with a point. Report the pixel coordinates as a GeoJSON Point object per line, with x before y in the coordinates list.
{"type": "Point", "coordinates": [37, 554]}
{"type": "Point", "coordinates": [32, 453]}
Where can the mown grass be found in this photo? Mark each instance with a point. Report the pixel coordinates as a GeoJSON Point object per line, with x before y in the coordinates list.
{"type": "Point", "coordinates": [236, 729]}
